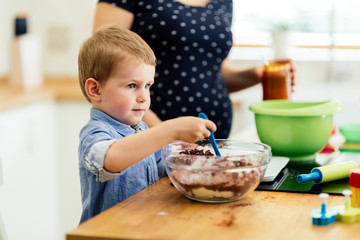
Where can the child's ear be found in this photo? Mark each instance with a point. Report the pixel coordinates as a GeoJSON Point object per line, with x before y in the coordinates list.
{"type": "Point", "coordinates": [92, 88]}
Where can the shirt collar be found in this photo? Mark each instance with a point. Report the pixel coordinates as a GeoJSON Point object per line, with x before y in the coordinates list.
{"type": "Point", "coordinates": [121, 128]}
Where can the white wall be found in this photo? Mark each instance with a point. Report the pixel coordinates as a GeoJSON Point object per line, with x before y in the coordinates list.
{"type": "Point", "coordinates": [61, 25]}
{"type": "Point", "coordinates": [4, 37]}
{"type": "Point", "coordinates": [64, 25]}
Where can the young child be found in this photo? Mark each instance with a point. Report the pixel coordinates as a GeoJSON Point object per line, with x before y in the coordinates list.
{"type": "Point", "coordinates": [118, 154]}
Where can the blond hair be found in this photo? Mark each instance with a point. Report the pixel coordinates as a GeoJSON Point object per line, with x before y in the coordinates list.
{"type": "Point", "coordinates": [108, 45]}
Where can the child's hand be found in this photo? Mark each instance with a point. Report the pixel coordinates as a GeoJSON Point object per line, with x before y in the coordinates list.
{"type": "Point", "coordinates": [190, 129]}
{"type": "Point", "coordinates": [125, 152]}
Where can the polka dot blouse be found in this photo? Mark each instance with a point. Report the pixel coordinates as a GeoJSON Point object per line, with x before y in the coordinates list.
{"type": "Point", "coordinates": [190, 44]}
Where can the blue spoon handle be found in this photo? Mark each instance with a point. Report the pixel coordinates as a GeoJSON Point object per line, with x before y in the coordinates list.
{"type": "Point", "coordinates": [211, 138]}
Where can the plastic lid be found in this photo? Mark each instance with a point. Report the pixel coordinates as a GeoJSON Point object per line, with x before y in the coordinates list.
{"type": "Point", "coordinates": [289, 108]}
{"type": "Point", "coordinates": [354, 179]}
{"type": "Point", "coordinates": [275, 67]}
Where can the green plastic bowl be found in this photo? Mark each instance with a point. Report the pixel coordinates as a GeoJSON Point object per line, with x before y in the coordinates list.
{"type": "Point", "coordinates": [297, 130]}
{"type": "Point", "coordinates": [351, 132]}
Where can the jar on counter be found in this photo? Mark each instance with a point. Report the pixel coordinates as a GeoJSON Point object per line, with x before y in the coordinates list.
{"type": "Point", "coordinates": [276, 81]}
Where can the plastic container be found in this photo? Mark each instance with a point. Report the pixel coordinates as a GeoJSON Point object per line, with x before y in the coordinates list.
{"type": "Point", "coordinates": [351, 132]}
{"type": "Point", "coordinates": [297, 130]}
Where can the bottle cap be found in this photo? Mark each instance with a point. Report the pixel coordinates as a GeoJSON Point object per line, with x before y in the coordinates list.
{"type": "Point", "coordinates": [354, 179]}
{"type": "Point", "coordinates": [20, 24]}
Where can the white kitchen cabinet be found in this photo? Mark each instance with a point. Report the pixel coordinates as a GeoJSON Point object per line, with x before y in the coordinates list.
{"type": "Point", "coordinates": [40, 194]}
{"type": "Point", "coordinates": [28, 195]}
{"type": "Point", "coordinates": [71, 117]}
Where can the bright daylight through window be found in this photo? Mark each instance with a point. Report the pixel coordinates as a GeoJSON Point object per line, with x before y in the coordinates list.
{"type": "Point", "coordinates": [311, 25]}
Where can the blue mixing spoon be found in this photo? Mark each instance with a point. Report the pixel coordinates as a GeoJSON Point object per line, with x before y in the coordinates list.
{"type": "Point", "coordinates": [211, 138]}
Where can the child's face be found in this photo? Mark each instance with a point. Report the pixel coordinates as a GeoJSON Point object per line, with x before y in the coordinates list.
{"type": "Point", "coordinates": [125, 96]}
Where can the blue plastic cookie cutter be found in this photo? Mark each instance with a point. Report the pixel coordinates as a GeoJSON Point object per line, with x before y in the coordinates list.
{"type": "Point", "coordinates": [322, 216]}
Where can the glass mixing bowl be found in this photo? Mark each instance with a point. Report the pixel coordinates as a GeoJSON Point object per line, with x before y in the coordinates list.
{"type": "Point", "coordinates": [198, 174]}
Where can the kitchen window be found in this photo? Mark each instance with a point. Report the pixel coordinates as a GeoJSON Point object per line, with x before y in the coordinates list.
{"type": "Point", "coordinates": [317, 29]}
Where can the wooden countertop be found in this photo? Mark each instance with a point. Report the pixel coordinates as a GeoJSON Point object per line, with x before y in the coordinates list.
{"type": "Point", "coordinates": [60, 88]}
{"type": "Point", "coordinates": [161, 212]}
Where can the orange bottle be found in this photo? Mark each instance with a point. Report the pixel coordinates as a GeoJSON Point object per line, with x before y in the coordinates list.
{"type": "Point", "coordinates": [276, 81]}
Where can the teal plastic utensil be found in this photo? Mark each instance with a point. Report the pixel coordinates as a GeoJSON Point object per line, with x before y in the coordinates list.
{"type": "Point", "coordinates": [211, 138]}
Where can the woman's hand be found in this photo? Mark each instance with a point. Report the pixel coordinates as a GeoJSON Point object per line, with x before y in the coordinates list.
{"type": "Point", "coordinates": [292, 68]}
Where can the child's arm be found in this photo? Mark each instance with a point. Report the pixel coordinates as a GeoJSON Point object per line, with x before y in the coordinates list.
{"type": "Point", "coordinates": [132, 149]}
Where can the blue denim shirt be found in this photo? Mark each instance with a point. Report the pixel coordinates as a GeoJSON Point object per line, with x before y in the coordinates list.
{"type": "Point", "coordinates": [101, 189]}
